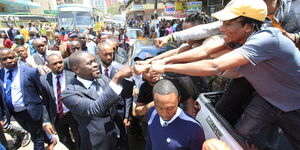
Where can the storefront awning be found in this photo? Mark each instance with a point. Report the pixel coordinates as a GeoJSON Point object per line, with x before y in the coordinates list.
{"type": "Point", "coordinates": [27, 3]}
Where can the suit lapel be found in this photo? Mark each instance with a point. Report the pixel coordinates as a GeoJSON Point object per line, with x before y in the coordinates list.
{"type": "Point", "coordinates": [113, 72]}
{"type": "Point", "coordinates": [2, 74]}
{"type": "Point", "coordinates": [37, 59]}
{"type": "Point", "coordinates": [50, 83]}
{"type": "Point", "coordinates": [87, 92]}
{"type": "Point", "coordinates": [68, 77]}
{"type": "Point", "coordinates": [22, 74]}
{"type": "Point", "coordinates": [100, 68]}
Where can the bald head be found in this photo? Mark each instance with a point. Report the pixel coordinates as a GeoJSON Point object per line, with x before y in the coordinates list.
{"type": "Point", "coordinates": [75, 46]}
{"type": "Point", "coordinates": [105, 53]}
{"type": "Point", "coordinates": [84, 65]}
{"type": "Point", "coordinates": [40, 46]}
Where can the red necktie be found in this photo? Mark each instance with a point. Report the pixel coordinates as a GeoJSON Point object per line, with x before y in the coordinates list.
{"type": "Point", "coordinates": [59, 102]}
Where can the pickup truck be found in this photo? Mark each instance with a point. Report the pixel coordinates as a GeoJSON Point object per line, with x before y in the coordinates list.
{"type": "Point", "coordinates": [215, 126]}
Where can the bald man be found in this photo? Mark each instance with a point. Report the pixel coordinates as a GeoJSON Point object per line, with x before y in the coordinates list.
{"type": "Point", "coordinates": [38, 60]}
{"type": "Point", "coordinates": [91, 97]}
{"type": "Point", "coordinates": [61, 46]}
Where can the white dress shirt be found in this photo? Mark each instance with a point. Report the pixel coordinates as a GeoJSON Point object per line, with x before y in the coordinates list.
{"type": "Point", "coordinates": [164, 123]}
{"type": "Point", "coordinates": [87, 84]}
{"type": "Point", "coordinates": [16, 91]}
{"type": "Point", "coordinates": [62, 81]}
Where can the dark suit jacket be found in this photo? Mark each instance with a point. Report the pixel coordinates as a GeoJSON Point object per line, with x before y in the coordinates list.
{"type": "Point", "coordinates": [49, 99]}
{"type": "Point", "coordinates": [126, 92]}
{"type": "Point", "coordinates": [93, 113]}
{"type": "Point", "coordinates": [31, 90]}
{"type": "Point", "coordinates": [3, 108]}
{"type": "Point", "coordinates": [114, 69]}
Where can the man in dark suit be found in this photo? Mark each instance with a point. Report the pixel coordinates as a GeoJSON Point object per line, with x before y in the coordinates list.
{"type": "Point", "coordinates": [75, 46]}
{"type": "Point", "coordinates": [38, 60]}
{"type": "Point", "coordinates": [3, 110]}
{"type": "Point", "coordinates": [22, 95]}
{"type": "Point", "coordinates": [109, 68]}
{"type": "Point", "coordinates": [59, 115]}
{"type": "Point", "coordinates": [91, 98]}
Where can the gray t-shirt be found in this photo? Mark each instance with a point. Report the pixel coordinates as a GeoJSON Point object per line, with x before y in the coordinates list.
{"type": "Point", "coordinates": [274, 70]}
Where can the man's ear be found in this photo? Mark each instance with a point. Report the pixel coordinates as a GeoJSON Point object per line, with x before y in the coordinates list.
{"type": "Point", "coordinates": [75, 69]}
{"type": "Point", "coordinates": [250, 27]}
{"type": "Point", "coordinates": [179, 98]}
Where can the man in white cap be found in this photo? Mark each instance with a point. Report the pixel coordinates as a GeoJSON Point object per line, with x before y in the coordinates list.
{"type": "Point", "coordinates": [262, 59]}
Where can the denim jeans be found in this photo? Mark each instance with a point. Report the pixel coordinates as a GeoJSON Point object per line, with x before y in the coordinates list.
{"type": "Point", "coordinates": [260, 114]}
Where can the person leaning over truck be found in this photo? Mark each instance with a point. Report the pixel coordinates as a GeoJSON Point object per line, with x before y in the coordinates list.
{"type": "Point", "coordinates": [283, 14]}
{"type": "Point", "coordinates": [263, 59]}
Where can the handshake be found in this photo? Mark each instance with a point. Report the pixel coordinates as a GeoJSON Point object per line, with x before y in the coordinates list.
{"type": "Point", "coordinates": [157, 66]}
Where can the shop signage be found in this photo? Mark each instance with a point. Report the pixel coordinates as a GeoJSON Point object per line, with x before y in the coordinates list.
{"type": "Point", "coordinates": [180, 6]}
{"type": "Point", "coordinates": [169, 8]}
{"type": "Point", "coordinates": [193, 6]}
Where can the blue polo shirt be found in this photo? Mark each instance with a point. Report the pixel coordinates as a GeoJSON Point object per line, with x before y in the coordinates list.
{"type": "Point", "coordinates": [274, 69]}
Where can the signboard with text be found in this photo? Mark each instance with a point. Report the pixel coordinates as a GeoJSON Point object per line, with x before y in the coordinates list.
{"type": "Point", "coordinates": [193, 6]}
{"type": "Point", "coordinates": [180, 6]}
{"type": "Point", "coordinates": [169, 8]}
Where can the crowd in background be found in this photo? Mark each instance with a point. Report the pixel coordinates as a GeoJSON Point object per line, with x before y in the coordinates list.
{"type": "Point", "coordinates": [73, 82]}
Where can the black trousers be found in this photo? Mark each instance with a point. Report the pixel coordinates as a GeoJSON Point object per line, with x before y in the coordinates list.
{"type": "Point", "coordinates": [235, 99]}
{"type": "Point", "coordinates": [2, 138]}
{"type": "Point", "coordinates": [63, 126]}
{"type": "Point", "coordinates": [33, 127]}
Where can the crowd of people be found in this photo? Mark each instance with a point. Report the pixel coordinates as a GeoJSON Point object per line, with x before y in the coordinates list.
{"type": "Point", "coordinates": [54, 82]}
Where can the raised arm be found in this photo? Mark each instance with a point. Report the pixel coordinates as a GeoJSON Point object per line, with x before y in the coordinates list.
{"type": "Point", "coordinates": [195, 33]}
{"type": "Point", "coordinates": [205, 67]}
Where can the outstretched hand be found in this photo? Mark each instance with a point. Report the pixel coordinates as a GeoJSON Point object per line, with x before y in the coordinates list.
{"type": "Point", "coordinates": [157, 68]}
{"type": "Point", "coordinates": [138, 69]}
{"type": "Point", "coordinates": [162, 41]}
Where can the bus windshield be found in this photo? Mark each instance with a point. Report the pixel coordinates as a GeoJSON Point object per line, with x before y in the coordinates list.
{"type": "Point", "coordinates": [66, 19]}
{"type": "Point", "coordinates": [83, 19]}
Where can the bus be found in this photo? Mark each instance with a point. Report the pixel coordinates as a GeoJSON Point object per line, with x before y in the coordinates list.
{"type": "Point", "coordinates": [17, 19]}
{"type": "Point", "coordinates": [71, 16]}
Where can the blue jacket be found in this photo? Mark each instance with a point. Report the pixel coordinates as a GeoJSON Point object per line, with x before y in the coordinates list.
{"type": "Point", "coordinates": [3, 108]}
{"type": "Point", "coordinates": [31, 90]}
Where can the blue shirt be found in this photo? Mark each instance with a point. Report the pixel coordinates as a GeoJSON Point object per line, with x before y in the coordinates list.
{"type": "Point", "coordinates": [16, 91]}
{"type": "Point", "coordinates": [182, 132]}
{"type": "Point", "coordinates": [274, 69]}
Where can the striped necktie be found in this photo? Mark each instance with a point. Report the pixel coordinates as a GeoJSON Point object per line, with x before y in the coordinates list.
{"type": "Point", "coordinates": [59, 102]}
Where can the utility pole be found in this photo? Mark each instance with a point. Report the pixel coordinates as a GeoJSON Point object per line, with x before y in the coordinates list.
{"type": "Point", "coordinates": [155, 9]}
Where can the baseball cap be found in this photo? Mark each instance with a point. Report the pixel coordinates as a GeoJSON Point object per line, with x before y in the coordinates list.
{"type": "Point", "coordinates": [73, 35]}
{"type": "Point", "coordinates": [142, 56]}
{"type": "Point", "coordinates": [255, 9]}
